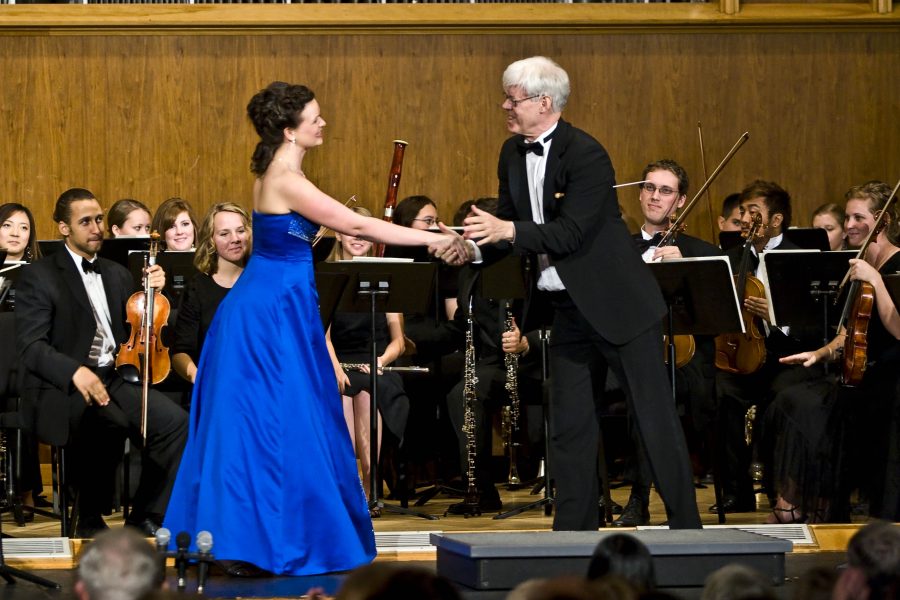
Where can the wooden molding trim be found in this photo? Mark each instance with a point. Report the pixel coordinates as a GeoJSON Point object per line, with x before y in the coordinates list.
{"type": "Point", "coordinates": [375, 19]}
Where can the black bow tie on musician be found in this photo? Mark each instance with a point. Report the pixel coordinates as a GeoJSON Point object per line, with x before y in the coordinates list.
{"type": "Point", "coordinates": [90, 266]}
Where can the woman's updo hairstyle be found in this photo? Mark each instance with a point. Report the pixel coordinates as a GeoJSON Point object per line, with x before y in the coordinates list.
{"type": "Point", "coordinates": [272, 110]}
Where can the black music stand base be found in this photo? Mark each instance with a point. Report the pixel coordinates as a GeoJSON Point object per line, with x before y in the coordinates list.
{"type": "Point", "coordinates": [377, 507]}
{"type": "Point", "coordinates": [436, 489]}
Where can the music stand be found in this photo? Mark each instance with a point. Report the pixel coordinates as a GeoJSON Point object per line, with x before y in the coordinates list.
{"type": "Point", "coordinates": [178, 266]}
{"type": "Point", "coordinates": [373, 287]}
{"type": "Point", "coordinates": [808, 238]}
{"type": "Point", "coordinates": [120, 248]}
{"type": "Point", "coordinates": [892, 283]}
{"type": "Point", "coordinates": [730, 239]}
{"type": "Point", "coordinates": [802, 285]}
{"type": "Point", "coordinates": [700, 300]}
{"type": "Point", "coordinates": [330, 287]}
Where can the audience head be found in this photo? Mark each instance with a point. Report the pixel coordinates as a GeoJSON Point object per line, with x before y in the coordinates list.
{"type": "Point", "coordinates": [663, 192]}
{"type": "Point", "coordinates": [418, 212]}
{"type": "Point", "coordinates": [273, 111]}
{"type": "Point", "coordinates": [541, 80]}
{"type": "Point", "coordinates": [815, 584]}
{"type": "Point", "coordinates": [862, 203]}
{"type": "Point", "coordinates": [574, 588]}
{"type": "Point", "coordinates": [225, 235]}
{"type": "Point", "coordinates": [118, 565]}
{"type": "Point", "coordinates": [79, 219]}
{"type": "Point", "coordinates": [737, 582]}
{"type": "Point", "coordinates": [769, 200]}
{"type": "Point", "coordinates": [174, 220]}
{"type": "Point", "coordinates": [830, 217]}
{"type": "Point", "coordinates": [128, 217]}
{"type": "Point", "coordinates": [626, 556]}
{"type": "Point", "coordinates": [386, 581]}
{"type": "Point", "coordinates": [17, 233]}
{"type": "Point", "coordinates": [347, 246]}
{"type": "Point", "coordinates": [873, 563]}
{"type": "Point", "coordinates": [730, 217]}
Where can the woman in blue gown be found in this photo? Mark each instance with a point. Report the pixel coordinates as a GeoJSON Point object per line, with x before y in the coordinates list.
{"type": "Point", "coordinates": [269, 468]}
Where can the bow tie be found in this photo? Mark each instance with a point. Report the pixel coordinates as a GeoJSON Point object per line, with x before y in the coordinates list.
{"type": "Point", "coordinates": [644, 245]}
{"type": "Point", "coordinates": [90, 267]}
{"type": "Point", "coordinates": [536, 147]}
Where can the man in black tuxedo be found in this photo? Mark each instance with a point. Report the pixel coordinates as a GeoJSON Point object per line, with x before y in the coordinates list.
{"type": "Point", "coordinates": [736, 393]}
{"type": "Point", "coordinates": [662, 193]}
{"type": "Point", "coordinates": [558, 205]}
{"type": "Point", "coordinates": [70, 320]}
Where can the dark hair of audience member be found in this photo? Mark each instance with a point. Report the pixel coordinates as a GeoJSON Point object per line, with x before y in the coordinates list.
{"type": "Point", "coordinates": [62, 212]}
{"type": "Point", "coordinates": [737, 582]}
{"type": "Point", "coordinates": [385, 581]}
{"type": "Point", "coordinates": [271, 111]}
{"type": "Point", "coordinates": [574, 588]}
{"type": "Point", "coordinates": [407, 209]}
{"type": "Point", "coordinates": [626, 556]}
{"type": "Point", "coordinates": [815, 584]}
{"type": "Point", "coordinates": [32, 251]}
{"type": "Point", "coordinates": [119, 211]}
{"type": "Point", "coordinates": [875, 550]}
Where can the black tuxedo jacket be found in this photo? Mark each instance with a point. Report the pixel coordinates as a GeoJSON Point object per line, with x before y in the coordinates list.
{"type": "Point", "coordinates": [55, 327]}
{"type": "Point", "coordinates": [583, 233]}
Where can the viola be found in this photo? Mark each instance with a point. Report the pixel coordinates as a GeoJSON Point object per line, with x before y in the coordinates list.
{"type": "Point", "coordinates": [390, 199]}
{"type": "Point", "coordinates": [143, 358]}
{"type": "Point", "coordinates": [744, 353]}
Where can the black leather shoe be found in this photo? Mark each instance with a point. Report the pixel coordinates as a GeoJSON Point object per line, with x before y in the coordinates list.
{"type": "Point", "coordinates": [240, 568]}
{"type": "Point", "coordinates": [90, 527]}
{"type": "Point", "coordinates": [147, 527]}
{"type": "Point", "coordinates": [730, 504]}
{"type": "Point", "coordinates": [636, 512]}
{"type": "Point", "coordinates": [616, 507]}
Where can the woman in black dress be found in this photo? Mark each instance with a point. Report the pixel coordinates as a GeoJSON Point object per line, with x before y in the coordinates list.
{"type": "Point", "coordinates": [827, 439]}
{"type": "Point", "coordinates": [223, 248]}
{"type": "Point", "coordinates": [348, 339]}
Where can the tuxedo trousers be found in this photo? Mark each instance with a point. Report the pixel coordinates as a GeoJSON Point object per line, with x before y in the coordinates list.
{"type": "Point", "coordinates": [98, 442]}
{"type": "Point", "coordinates": [579, 358]}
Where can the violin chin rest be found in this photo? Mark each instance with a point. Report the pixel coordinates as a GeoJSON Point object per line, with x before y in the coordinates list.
{"type": "Point", "coordinates": [129, 373]}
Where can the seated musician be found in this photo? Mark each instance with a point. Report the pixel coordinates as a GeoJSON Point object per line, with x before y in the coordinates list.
{"type": "Point", "coordinates": [737, 392]}
{"type": "Point", "coordinates": [349, 340]}
{"type": "Point", "coordinates": [830, 217]}
{"type": "Point", "coordinates": [492, 342]}
{"type": "Point", "coordinates": [223, 248]}
{"type": "Point", "coordinates": [730, 217]}
{"type": "Point", "coordinates": [70, 320]}
{"type": "Point", "coordinates": [826, 437]}
{"type": "Point", "coordinates": [663, 192]}
{"type": "Point", "coordinates": [19, 238]}
{"type": "Point", "coordinates": [174, 220]}
{"type": "Point", "coordinates": [128, 218]}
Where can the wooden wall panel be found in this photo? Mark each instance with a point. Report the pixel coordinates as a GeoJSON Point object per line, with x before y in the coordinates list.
{"type": "Point", "coordinates": [152, 116]}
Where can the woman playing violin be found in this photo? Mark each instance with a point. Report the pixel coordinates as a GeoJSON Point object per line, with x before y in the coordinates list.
{"type": "Point", "coordinates": [817, 427]}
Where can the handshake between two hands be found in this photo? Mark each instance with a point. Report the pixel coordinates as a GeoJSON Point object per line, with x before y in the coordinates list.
{"type": "Point", "coordinates": [454, 249]}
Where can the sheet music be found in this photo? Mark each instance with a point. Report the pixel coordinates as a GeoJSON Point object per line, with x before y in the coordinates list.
{"type": "Point", "coordinates": [763, 276]}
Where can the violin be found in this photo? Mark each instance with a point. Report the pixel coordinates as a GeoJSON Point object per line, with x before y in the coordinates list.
{"type": "Point", "coordinates": [858, 307]}
{"type": "Point", "coordinates": [390, 199]}
{"type": "Point", "coordinates": [144, 358]}
{"type": "Point", "coordinates": [744, 353]}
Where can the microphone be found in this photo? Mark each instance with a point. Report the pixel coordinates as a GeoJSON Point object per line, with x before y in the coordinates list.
{"type": "Point", "coordinates": [204, 545]}
{"type": "Point", "coordinates": [183, 543]}
{"type": "Point", "coordinates": [163, 536]}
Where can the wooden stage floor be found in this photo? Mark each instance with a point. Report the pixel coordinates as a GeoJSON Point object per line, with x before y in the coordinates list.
{"type": "Point", "coordinates": [404, 538]}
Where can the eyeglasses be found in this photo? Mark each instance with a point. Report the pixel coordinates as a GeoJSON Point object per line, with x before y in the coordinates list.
{"type": "Point", "coordinates": [430, 221]}
{"type": "Point", "coordinates": [516, 102]}
{"type": "Point", "coordinates": [664, 191]}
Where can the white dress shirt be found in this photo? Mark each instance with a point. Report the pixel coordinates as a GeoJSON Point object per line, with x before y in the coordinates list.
{"type": "Point", "coordinates": [103, 347]}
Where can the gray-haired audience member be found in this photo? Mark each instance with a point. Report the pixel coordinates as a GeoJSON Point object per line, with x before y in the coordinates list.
{"type": "Point", "coordinates": [626, 556]}
{"type": "Point", "coordinates": [873, 564]}
{"type": "Point", "coordinates": [737, 582]}
{"type": "Point", "coordinates": [384, 581]}
{"type": "Point", "coordinates": [118, 565]}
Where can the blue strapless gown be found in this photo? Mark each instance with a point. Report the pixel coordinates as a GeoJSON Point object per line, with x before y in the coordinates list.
{"type": "Point", "coordinates": [269, 468]}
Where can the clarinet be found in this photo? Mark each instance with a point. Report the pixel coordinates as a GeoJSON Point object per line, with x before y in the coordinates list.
{"type": "Point", "coordinates": [511, 413]}
{"type": "Point", "coordinates": [359, 367]}
{"type": "Point", "coordinates": [470, 502]}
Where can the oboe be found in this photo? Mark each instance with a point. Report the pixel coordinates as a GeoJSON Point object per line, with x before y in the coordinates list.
{"type": "Point", "coordinates": [470, 504]}
{"type": "Point", "coordinates": [511, 414]}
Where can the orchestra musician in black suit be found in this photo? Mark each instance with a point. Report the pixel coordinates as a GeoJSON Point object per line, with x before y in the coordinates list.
{"type": "Point", "coordinates": [662, 193]}
{"type": "Point", "coordinates": [70, 319]}
{"type": "Point", "coordinates": [558, 206]}
{"type": "Point", "coordinates": [735, 392]}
